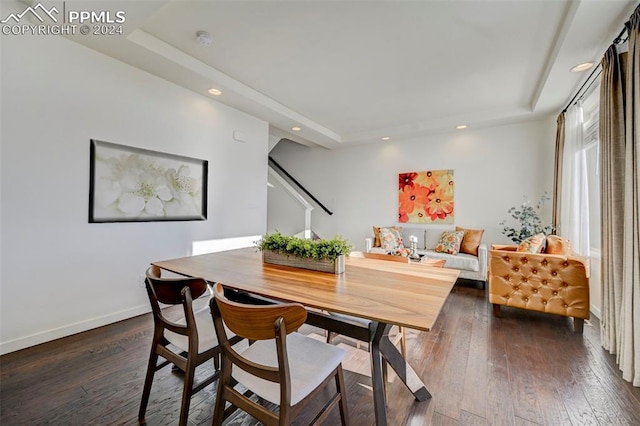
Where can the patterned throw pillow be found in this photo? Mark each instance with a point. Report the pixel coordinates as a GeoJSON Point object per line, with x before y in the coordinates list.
{"type": "Point", "coordinates": [533, 244]}
{"type": "Point", "coordinates": [391, 238]}
{"type": "Point", "coordinates": [450, 242]}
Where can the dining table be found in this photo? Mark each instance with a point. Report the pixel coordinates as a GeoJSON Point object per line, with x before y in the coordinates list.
{"type": "Point", "coordinates": [382, 293]}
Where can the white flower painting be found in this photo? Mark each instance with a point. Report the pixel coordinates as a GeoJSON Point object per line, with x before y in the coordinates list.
{"type": "Point", "coordinates": [132, 184]}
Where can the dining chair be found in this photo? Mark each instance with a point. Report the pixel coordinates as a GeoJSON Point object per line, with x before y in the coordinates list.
{"type": "Point", "coordinates": [186, 342]}
{"type": "Point", "coordinates": [281, 366]}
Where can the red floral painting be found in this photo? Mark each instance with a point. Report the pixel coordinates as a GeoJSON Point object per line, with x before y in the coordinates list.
{"type": "Point", "coordinates": [425, 197]}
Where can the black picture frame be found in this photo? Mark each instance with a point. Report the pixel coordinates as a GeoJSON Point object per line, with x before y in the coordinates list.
{"type": "Point", "coordinates": [129, 184]}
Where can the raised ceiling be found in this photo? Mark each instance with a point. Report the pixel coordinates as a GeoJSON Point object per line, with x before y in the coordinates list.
{"type": "Point", "coordinates": [350, 72]}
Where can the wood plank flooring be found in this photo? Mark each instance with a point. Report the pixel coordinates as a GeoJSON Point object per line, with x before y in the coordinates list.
{"type": "Point", "coordinates": [522, 369]}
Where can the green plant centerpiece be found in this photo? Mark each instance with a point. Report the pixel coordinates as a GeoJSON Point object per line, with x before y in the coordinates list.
{"type": "Point", "coordinates": [320, 255]}
{"type": "Point", "coordinates": [528, 219]}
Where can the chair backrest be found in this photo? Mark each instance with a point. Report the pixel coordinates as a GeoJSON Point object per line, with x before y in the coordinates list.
{"type": "Point", "coordinates": [174, 291]}
{"type": "Point", "coordinates": [256, 322]}
{"type": "Point", "coordinates": [170, 290]}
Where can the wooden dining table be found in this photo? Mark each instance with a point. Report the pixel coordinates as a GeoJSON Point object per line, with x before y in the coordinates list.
{"type": "Point", "coordinates": [385, 293]}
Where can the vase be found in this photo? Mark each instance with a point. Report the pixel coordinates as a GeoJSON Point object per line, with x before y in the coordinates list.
{"type": "Point", "coordinates": [325, 265]}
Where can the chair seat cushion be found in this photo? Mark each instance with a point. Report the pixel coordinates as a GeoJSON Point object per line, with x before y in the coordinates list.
{"type": "Point", "coordinates": [310, 363]}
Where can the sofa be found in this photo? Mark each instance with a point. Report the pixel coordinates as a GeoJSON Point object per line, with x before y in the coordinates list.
{"type": "Point", "coordinates": [544, 282]}
{"type": "Point", "coordinates": [472, 267]}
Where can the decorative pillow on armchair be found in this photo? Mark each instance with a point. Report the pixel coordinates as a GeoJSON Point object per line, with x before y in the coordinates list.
{"type": "Point", "coordinates": [391, 238]}
{"type": "Point", "coordinates": [533, 244]}
{"type": "Point", "coordinates": [450, 242]}
{"type": "Point", "coordinates": [558, 245]}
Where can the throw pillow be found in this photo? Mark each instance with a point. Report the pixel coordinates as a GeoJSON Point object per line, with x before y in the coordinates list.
{"type": "Point", "coordinates": [558, 245]}
{"type": "Point", "coordinates": [533, 244]}
{"type": "Point", "coordinates": [391, 238]}
{"type": "Point", "coordinates": [450, 242]}
{"type": "Point", "coordinates": [376, 236]}
{"type": "Point", "coordinates": [471, 240]}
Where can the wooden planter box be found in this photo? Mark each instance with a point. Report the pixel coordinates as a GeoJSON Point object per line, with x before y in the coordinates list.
{"type": "Point", "coordinates": [335, 267]}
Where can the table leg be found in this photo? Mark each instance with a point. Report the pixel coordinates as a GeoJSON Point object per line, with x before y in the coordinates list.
{"type": "Point", "coordinates": [382, 347]}
{"type": "Point", "coordinates": [377, 378]}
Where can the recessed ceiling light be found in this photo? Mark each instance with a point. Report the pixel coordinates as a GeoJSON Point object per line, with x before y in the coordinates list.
{"type": "Point", "coordinates": [582, 67]}
{"type": "Point", "coordinates": [296, 129]}
{"type": "Point", "coordinates": [385, 138]}
{"type": "Point", "coordinates": [461, 127]}
{"type": "Point", "coordinates": [215, 92]}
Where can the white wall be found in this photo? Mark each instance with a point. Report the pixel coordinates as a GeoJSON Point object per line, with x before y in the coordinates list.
{"type": "Point", "coordinates": [284, 213]}
{"type": "Point", "coordinates": [494, 168]}
{"type": "Point", "coordinates": [60, 274]}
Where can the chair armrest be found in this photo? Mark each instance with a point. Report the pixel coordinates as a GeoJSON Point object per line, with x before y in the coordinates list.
{"type": "Point", "coordinates": [483, 260]}
{"type": "Point", "coordinates": [368, 244]}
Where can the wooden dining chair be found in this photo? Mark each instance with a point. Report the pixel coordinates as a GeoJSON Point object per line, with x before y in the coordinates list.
{"type": "Point", "coordinates": [186, 343]}
{"type": "Point", "coordinates": [282, 367]}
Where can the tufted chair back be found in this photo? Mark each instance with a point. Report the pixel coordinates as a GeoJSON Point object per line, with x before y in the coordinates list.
{"type": "Point", "coordinates": [550, 283]}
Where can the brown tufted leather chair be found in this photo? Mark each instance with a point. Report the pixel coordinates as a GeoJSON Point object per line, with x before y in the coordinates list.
{"type": "Point", "coordinates": [552, 283]}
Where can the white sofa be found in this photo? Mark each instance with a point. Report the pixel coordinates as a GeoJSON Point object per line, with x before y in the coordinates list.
{"type": "Point", "coordinates": [471, 267]}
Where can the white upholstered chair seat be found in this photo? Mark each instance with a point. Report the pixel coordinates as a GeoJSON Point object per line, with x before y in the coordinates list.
{"type": "Point", "coordinates": [310, 363]}
{"type": "Point", "coordinates": [207, 338]}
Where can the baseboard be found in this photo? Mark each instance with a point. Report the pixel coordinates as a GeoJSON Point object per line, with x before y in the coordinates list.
{"type": "Point", "coordinates": [595, 311]}
{"type": "Point", "coordinates": [68, 330]}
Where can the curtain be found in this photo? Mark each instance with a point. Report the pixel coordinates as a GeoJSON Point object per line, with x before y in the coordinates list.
{"type": "Point", "coordinates": [574, 191]}
{"type": "Point", "coordinates": [620, 187]}
{"type": "Point", "coordinates": [557, 172]}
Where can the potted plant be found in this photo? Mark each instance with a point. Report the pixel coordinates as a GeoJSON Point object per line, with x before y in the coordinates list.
{"type": "Point", "coordinates": [320, 255]}
{"type": "Point", "coordinates": [528, 221]}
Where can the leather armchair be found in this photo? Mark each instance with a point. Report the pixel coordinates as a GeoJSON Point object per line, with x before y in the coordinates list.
{"type": "Point", "coordinates": [551, 283]}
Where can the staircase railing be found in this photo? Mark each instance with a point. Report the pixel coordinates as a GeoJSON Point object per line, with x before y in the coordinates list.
{"type": "Point", "coordinates": [275, 164]}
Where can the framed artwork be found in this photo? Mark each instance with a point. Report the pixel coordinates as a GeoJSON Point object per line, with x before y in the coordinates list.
{"type": "Point", "coordinates": [426, 197]}
{"type": "Point", "coordinates": [129, 184]}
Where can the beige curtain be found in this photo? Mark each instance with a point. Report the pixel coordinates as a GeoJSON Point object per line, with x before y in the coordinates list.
{"type": "Point", "coordinates": [620, 192]}
{"type": "Point", "coordinates": [557, 173]}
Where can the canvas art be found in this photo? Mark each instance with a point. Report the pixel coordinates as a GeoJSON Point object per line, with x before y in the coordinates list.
{"type": "Point", "coordinates": [426, 197]}
{"type": "Point", "coordinates": [137, 185]}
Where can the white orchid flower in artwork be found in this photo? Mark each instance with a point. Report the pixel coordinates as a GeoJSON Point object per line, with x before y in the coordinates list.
{"type": "Point", "coordinates": [181, 180]}
{"type": "Point", "coordinates": [138, 186]}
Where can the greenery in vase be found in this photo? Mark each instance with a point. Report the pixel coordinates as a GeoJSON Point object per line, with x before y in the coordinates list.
{"type": "Point", "coordinates": [301, 247]}
{"type": "Point", "coordinates": [529, 221]}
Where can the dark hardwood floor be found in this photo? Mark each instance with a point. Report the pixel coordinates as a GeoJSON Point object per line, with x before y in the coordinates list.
{"type": "Point", "coordinates": [522, 369]}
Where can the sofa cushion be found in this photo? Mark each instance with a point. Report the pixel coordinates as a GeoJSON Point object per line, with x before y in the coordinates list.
{"type": "Point", "coordinates": [471, 240]}
{"type": "Point", "coordinates": [558, 245]}
{"type": "Point", "coordinates": [462, 261]}
{"type": "Point", "coordinates": [416, 232]}
{"type": "Point", "coordinates": [533, 244]}
{"type": "Point", "coordinates": [450, 242]}
{"type": "Point", "coordinates": [391, 238]}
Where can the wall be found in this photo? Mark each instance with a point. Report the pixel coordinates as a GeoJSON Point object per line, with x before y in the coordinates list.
{"type": "Point", "coordinates": [60, 274]}
{"type": "Point", "coordinates": [284, 213]}
{"type": "Point", "coordinates": [494, 168]}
